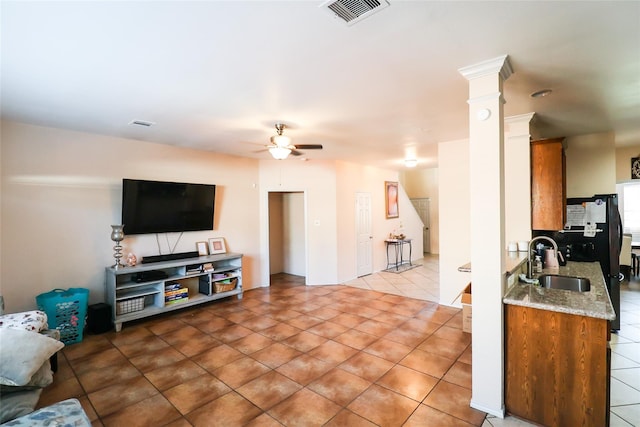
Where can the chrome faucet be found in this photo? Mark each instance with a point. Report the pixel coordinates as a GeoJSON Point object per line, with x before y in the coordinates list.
{"type": "Point", "coordinates": [535, 239]}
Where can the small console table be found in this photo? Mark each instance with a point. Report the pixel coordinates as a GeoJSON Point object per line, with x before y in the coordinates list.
{"type": "Point", "coordinates": [398, 246]}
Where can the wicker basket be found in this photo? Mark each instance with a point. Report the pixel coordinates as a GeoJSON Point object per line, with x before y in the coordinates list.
{"type": "Point", "coordinates": [129, 305]}
{"type": "Point", "coordinates": [225, 287]}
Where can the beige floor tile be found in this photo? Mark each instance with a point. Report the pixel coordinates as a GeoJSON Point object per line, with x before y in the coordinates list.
{"type": "Point", "coordinates": [268, 390]}
{"type": "Point", "coordinates": [155, 410]}
{"type": "Point", "coordinates": [228, 410]}
{"type": "Point", "coordinates": [96, 379]}
{"type": "Point", "coordinates": [427, 363]}
{"type": "Point", "coordinates": [339, 386]}
{"type": "Point", "coordinates": [454, 400]}
{"type": "Point", "coordinates": [348, 418]}
{"type": "Point", "coordinates": [195, 392]}
{"type": "Point", "coordinates": [216, 357]}
{"type": "Point", "coordinates": [240, 371]}
{"type": "Point", "coordinates": [304, 369]}
{"type": "Point", "coordinates": [275, 355]}
{"type": "Point", "coordinates": [153, 360]}
{"type": "Point", "coordinates": [367, 366]}
{"type": "Point", "coordinates": [118, 396]}
{"type": "Point", "coordinates": [383, 406]}
{"type": "Point", "coordinates": [333, 352]}
{"type": "Point", "coordinates": [170, 376]}
{"type": "Point", "coordinates": [297, 410]}
{"type": "Point", "coordinates": [412, 384]}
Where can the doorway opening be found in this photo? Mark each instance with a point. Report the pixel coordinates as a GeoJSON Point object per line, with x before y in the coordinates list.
{"type": "Point", "coordinates": [422, 207]}
{"type": "Point", "coordinates": [287, 234]}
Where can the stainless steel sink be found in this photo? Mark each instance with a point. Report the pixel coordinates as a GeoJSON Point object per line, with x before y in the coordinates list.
{"type": "Point", "coordinates": [569, 283]}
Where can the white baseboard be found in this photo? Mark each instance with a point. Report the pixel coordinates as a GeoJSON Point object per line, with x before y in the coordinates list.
{"type": "Point", "coordinates": [497, 413]}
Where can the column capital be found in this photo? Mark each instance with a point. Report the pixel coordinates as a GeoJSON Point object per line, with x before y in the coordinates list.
{"type": "Point", "coordinates": [520, 125]}
{"type": "Point", "coordinates": [497, 65]}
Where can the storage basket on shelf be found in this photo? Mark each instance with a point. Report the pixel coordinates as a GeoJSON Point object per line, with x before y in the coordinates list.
{"type": "Point", "coordinates": [66, 311]}
{"type": "Point", "coordinates": [226, 285]}
{"type": "Point", "coordinates": [129, 305]}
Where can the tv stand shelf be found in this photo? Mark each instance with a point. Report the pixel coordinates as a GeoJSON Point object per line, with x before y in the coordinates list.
{"type": "Point", "coordinates": [125, 294]}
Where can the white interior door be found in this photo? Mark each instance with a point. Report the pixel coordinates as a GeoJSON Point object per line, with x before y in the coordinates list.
{"type": "Point", "coordinates": [363, 230]}
{"type": "Point", "coordinates": [422, 207]}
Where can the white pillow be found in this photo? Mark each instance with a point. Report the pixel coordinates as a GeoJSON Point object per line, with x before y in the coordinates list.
{"type": "Point", "coordinates": [22, 353]}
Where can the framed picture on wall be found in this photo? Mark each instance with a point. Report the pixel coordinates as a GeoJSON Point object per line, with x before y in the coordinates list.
{"type": "Point", "coordinates": [391, 199]}
{"type": "Point", "coordinates": [635, 168]}
{"type": "Point", "coordinates": [217, 246]}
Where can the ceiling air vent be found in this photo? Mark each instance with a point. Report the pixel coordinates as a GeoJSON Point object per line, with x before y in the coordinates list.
{"type": "Point", "coordinates": [141, 123]}
{"type": "Point", "coordinates": [352, 11]}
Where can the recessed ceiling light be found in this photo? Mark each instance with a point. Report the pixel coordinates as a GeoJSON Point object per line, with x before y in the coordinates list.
{"type": "Point", "coordinates": [541, 93]}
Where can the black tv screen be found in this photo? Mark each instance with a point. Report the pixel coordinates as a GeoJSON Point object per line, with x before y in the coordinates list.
{"type": "Point", "coordinates": [161, 207]}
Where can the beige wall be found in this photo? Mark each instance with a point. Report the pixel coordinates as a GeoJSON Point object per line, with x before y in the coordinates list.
{"type": "Point", "coordinates": [356, 178]}
{"type": "Point", "coordinates": [455, 227]}
{"type": "Point", "coordinates": [623, 161]}
{"type": "Point", "coordinates": [317, 179]}
{"type": "Point", "coordinates": [61, 190]}
{"type": "Point", "coordinates": [287, 247]}
{"type": "Point", "coordinates": [293, 218]}
{"type": "Point", "coordinates": [424, 183]}
{"type": "Point", "coordinates": [591, 165]}
{"type": "Point", "coordinates": [517, 179]}
{"type": "Point", "coordinates": [276, 245]}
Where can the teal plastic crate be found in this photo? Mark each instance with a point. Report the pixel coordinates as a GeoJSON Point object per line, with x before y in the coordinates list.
{"type": "Point", "coordinates": [66, 311]}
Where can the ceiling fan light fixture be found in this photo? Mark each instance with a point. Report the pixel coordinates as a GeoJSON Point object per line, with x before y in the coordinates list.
{"type": "Point", "coordinates": [281, 140]}
{"type": "Point", "coordinates": [280, 152]}
{"type": "Point", "coordinates": [411, 163]}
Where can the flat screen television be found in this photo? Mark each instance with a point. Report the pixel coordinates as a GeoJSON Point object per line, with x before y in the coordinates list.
{"type": "Point", "coordinates": [162, 207]}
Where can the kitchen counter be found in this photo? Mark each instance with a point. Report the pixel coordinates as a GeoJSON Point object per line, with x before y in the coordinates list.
{"type": "Point", "coordinates": [513, 261]}
{"type": "Point", "coordinates": [594, 303]}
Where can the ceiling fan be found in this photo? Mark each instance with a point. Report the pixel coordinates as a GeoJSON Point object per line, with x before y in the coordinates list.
{"type": "Point", "coordinates": [281, 146]}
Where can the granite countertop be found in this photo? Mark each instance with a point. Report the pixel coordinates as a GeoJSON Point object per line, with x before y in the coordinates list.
{"type": "Point", "coordinates": [513, 260]}
{"type": "Point", "coordinates": [594, 303]}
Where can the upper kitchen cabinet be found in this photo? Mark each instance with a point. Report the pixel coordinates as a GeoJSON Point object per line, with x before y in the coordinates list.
{"type": "Point", "coordinates": [548, 184]}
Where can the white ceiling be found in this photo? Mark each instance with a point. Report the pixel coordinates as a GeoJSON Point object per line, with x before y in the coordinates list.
{"type": "Point", "coordinates": [217, 75]}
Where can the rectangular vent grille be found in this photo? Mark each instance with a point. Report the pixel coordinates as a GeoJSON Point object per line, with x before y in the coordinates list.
{"type": "Point", "coordinates": [141, 123]}
{"type": "Point", "coordinates": [352, 11]}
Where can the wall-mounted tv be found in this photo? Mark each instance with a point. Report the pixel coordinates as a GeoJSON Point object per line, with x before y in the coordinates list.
{"type": "Point", "coordinates": [162, 207]}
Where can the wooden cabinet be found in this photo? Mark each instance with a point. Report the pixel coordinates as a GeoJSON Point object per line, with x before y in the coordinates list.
{"type": "Point", "coordinates": [149, 289]}
{"type": "Point", "coordinates": [557, 367]}
{"type": "Point", "coordinates": [548, 184]}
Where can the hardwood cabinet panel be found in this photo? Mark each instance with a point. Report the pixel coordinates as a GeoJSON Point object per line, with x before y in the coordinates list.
{"type": "Point", "coordinates": [548, 185]}
{"type": "Point", "coordinates": [556, 367]}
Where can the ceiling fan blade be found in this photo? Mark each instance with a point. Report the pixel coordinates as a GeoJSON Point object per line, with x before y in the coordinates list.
{"type": "Point", "coordinates": [296, 153]}
{"type": "Point", "coordinates": [309, 146]}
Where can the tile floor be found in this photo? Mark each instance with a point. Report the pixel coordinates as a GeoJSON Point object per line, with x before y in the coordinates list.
{"type": "Point", "coordinates": [423, 283]}
{"type": "Point", "coordinates": [260, 361]}
{"type": "Point", "coordinates": [287, 355]}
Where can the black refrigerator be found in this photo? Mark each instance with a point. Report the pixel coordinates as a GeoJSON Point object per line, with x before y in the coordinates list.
{"type": "Point", "coordinates": [593, 232]}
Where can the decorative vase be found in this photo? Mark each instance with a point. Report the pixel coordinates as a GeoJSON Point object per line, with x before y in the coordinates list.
{"type": "Point", "coordinates": [117, 235]}
{"type": "Point", "coordinates": [131, 260]}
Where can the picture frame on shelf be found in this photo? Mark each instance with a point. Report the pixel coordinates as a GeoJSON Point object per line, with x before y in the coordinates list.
{"type": "Point", "coordinates": [217, 246]}
{"type": "Point", "coordinates": [202, 247]}
{"type": "Point", "coordinates": [391, 199]}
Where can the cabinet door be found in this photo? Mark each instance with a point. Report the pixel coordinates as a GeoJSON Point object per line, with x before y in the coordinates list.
{"type": "Point", "coordinates": [548, 184]}
{"type": "Point", "coordinates": [556, 367]}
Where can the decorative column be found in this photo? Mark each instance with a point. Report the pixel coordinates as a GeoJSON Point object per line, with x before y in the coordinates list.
{"type": "Point", "coordinates": [517, 179]}
{"type": "Point", "coordinates": [486, 155]}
